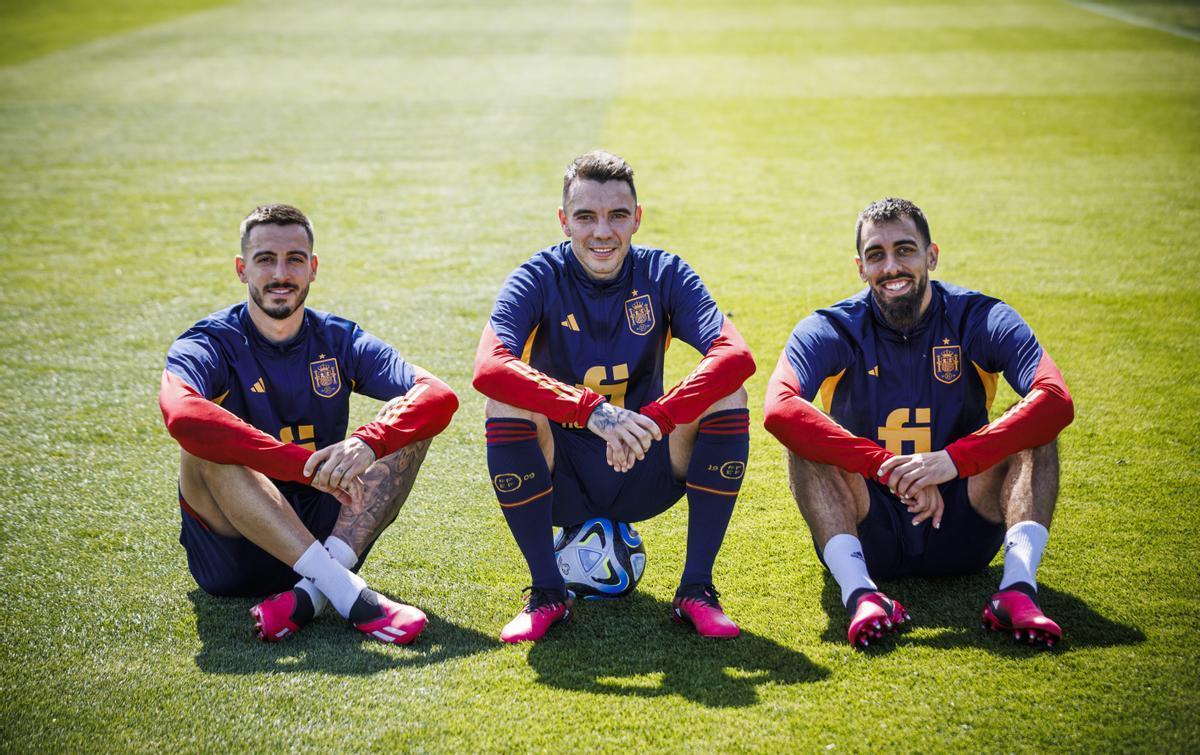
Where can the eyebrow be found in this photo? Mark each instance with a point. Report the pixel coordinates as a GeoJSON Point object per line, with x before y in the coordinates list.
{"type": "Point", "coordinates": [899, 242]}
{"type": "Point", "coordinates": [255, 255]}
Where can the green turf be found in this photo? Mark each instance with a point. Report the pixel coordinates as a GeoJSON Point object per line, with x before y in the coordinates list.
{"type": "Point", "coordinates": [29, 28]}
{"type": "Point", "coordinates": [1055, 151]}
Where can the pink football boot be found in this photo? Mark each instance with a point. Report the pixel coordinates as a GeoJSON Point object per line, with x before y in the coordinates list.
{"type": "Point", "coordinates": [543, 609]}
{"type": "Point", "coordinates": [697, 605]}
{"type": "Point", "coordinates": [386, 620]}
{"type": "Point", "coordinates": [282, 614]}
{"type": "Point", "coordinates": [875, 615]}
{"type": "Point", "coordinates": [1016, 610]}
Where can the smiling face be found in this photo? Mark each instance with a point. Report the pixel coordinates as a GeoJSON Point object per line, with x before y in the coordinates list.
{"type": "Point", "coordinates": [277, 265]}
{"type": "Point", "coordinates": [895, 262]}
{"type": "Point", "coordinates": [600, 217]}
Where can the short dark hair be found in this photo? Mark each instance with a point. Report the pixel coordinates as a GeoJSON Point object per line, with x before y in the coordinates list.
{"type": "Point", "coordinates": [275, 214]}
{"type": "Point", "coordinates": [598, 165]}
{"type": "Point", "coordinates": [891, 208]}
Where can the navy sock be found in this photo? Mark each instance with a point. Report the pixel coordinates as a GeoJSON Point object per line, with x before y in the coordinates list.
{"type": "Point", "coordinates": [714, 478]}
{"type": "Point", "coordinates": [523, 486]}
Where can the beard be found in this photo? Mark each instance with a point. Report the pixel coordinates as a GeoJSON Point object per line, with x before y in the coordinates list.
{"type": "Point", "coordinates": [281, 311]}
{"type": "Point", "coordinates": [901, 312]}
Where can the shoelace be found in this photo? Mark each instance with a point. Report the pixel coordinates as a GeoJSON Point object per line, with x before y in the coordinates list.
{"type": "Point", "coordinates": [706, 594]}
{"type": "Point", "coordinates": [538, 599]}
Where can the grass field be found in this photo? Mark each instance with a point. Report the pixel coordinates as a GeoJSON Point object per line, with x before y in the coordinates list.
{"type": "Point", "coordinates": [1056, 151]}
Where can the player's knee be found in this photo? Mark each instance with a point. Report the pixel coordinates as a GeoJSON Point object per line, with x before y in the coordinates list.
{"type": "Point", "coordinates": [1046, 454]}
{"type": "Point", "coordinates": [739, 399]}
{"type": "Point", "coordinates": [494, 409]}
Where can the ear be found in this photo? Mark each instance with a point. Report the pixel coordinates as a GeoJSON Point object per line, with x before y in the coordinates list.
{"type": "Point", "coordinates": [637, 219]}
{"type": "Point", "coordinates": [314, 267]}
{"type": "Point", "coordinates": [933, 256]}
{"type": "Point", "coordinates": [562, 221]}
{"type": "Point", "coordinates": [862, 275]}
{"type": "Point", "coordinates": [239, 266]}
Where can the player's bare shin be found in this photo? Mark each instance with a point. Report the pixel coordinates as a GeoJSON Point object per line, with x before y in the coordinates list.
{"type": "Point", "coordinates": [378, 494]}
{"type": "Point", "coordinates": [831, 500]}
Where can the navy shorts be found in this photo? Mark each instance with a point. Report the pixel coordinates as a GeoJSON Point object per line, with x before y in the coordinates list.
{"type": "Point", "coordinates": [236, 567]}
{"type": "Point", "coordinates": [585, 486]}
{"type": "Point", "coordinates": [893, 547]}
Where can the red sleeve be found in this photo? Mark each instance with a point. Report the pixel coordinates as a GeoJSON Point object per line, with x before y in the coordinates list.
{"type": "Point", "coordinates": [502, 376]}
{"type": "Point", "coordinates": [1033, 421]}
{"type": "Point", "coordinates": [725, 366]}
{"type": "Point", "coordinates": [423, 412]}
{"type": "Point", "coordinates": [214, 434]}
{"type": "Point", "coordinates": [810, 433]}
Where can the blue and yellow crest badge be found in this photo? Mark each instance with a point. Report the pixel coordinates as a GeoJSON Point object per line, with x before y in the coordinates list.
{"type": "Point", "coordinates": [326, 378]}
{"type": "Point", "coordinates": [947, 363]}
{"type": "Point", "coordinates": [639, 313]}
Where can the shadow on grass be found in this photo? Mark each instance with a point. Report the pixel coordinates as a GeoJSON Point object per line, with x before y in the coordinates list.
{"type": "Point", "coordinates": [631, 647]}
{"type": "Point", "coordinates": [955, 604]}
{"type": "Point", "coordinates": [229, 645]}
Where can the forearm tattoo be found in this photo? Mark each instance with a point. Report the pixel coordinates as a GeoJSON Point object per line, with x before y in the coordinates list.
{"type": "Point", "coordinates": [385, 487]}
{"type": "Point", "coordinates": [607, 416]}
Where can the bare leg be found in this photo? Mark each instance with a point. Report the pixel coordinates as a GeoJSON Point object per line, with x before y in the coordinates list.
{"type": "Point", "coordinates": [1022, 488]}
{"type": "Point", "coordinates": [385, 487]}
{"type": "Point", "coordinates": [1020, 492]}
{"type": "Point", "coordinates": [236, 501]}
{"type": "Point", "coordinates": [831, 500]}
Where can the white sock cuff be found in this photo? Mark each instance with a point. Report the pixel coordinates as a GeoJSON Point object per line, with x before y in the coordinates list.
{"type": "Point", "coordinates": [1028, 531]}
{"type": "Point", "coordinates": [341, 551]}
{"type": "Point", "coordinates": [839, 545]}
{"type": "Point", "coordinates": [310, 559]}
{"type": "Point", "coordinates": [1023, 546]}
{"type": "Point", "coordinates": [844, 557]}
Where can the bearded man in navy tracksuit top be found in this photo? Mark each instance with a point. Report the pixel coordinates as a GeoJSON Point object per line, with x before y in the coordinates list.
{"type": "Point", "coordinates": [906, 475]}
{"type": "Point", "coordinates": [578, 423]}
{"type": "Point", "coordinates": [274, 498]}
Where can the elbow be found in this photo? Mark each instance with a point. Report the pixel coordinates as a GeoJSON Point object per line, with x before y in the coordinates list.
{"type": "Point", "coordinates": [483, 380]}
{"type": "Point", "coordinates": [1066, 409]}
{"type": "Point", "coordinates": [449, 401]}
{"type": "Point", "coordinates": [744, 361]}
{"type": "Point", "coordinates": [774, 420]}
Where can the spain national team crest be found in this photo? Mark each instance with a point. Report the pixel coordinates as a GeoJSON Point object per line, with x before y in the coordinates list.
{"type": "Point", "coordinates": [639, 313]}
{"type": "Point", "coordinates": [947, 363]}
{"type": "Point", "coordinates": [326, 379]}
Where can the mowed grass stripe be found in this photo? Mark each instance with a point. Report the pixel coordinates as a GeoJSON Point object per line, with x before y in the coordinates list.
{"type": "Point", "coordinates": [1053, 180]}
{"type": "Point", "coordinates": [427, 142]}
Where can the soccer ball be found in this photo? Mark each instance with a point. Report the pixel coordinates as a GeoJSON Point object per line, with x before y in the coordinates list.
{"type": "Point", "coordinates": [600, 558]}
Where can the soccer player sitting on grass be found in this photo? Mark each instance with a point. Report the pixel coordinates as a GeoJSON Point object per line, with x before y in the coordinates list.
{"type": "Point", "coordinates": [272, 493]}
{"type": "Point", "coordinates": [906, 476]}
{"type": "Point", "coordinates": [578, 425]}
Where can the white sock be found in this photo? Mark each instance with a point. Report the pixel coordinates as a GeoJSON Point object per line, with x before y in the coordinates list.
{"type": "Point", "coordinates": [335, 581]}
{"type": "Point", "coordinates": [1023, 546]}
{"type": "Point", "coordinates": [844, 557]}
{"type": "Point", "coordinates": [344, 555]}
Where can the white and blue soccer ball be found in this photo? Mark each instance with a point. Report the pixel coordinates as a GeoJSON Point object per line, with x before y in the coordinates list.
{"type": "Point", "coordinates": [600, 558]}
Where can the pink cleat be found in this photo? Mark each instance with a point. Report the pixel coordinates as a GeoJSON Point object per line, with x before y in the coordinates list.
{"type": "Point", "coordinates": [697, 605]}
{"type": "Point", "coordinates": [875, 615]}
{"type": "Point", "coordinates": [543, 609]}
{"type": "Point", "coordinates": [386, 620]}
{"type": "Point", "coordinates": [1016, 610]}
{"type": "Point", "coordinates": [282, 614]}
